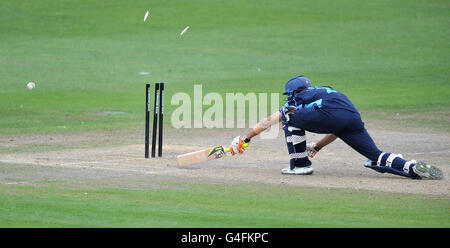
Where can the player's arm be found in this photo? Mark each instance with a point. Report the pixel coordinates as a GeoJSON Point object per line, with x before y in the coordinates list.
{"type": "Point", "coordinates": [236, 145]}
{"type": "Point", "coordinates": [264, 124]}
{"type": "Point", "coordinates": [314, 148]}
{"type": "Point", "coordinates": [326, 140]}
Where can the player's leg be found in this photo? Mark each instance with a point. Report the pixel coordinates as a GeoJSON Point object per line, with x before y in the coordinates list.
{"type": "Point", "coordinates": [294, 126]}
{"type": "Point", "coordinates": [299, 162]}
{"type": "Point", "coordinates": [394, 163]}
{"type": "Point", "coordinates": [359, 139]}
{"type": "Point", "coordinates": [362, 142]}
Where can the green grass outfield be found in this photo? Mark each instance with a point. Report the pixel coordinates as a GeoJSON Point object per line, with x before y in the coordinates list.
{"type": "Point", "coordinates": [53, 204]}
{"type": "Point", "coordinates": [85, 56]}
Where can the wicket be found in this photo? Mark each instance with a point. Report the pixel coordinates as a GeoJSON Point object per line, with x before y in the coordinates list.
{"type": "Point", "coordinates": [158, 112]}
{"type": "Point", "coordinates": [161, 114]}
{"type": "Point", "coordinates": [147, 118]}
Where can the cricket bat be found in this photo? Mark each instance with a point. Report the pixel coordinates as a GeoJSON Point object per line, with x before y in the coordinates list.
{"type": "Point", "coordinates": [204, 155]}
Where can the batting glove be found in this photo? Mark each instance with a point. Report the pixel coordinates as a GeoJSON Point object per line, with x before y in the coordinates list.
{"type": "Point", "coordinates": [236, 145]}
{"type": "Point", "coordinates": [312, 149]}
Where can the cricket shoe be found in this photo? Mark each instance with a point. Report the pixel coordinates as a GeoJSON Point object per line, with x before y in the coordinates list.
{"type": "Point", "coordinates": [369, 163]}
{"type": "Point", "coordinates": [373, 165]}
{"type": "Point", "coordinates": [307, 170]}
{"type": "Point", "coordinates": [426, 171]}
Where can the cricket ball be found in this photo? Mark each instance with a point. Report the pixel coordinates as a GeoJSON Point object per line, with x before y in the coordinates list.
{"type": "Point", "coordinates": [31, 85]}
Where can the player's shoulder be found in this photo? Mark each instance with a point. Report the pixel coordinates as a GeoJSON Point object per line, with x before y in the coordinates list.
{"type": "Point", "coordinates": [321, 87]}
{"type": "Point", "coordinates": [327, 88]}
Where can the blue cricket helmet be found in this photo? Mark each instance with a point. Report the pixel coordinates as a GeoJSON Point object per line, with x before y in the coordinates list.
{"type": "Point", "coordinates": [295, 84]}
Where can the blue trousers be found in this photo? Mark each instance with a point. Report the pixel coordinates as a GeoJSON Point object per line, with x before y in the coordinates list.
{"type": "Point", "coordinates": [347, 126]}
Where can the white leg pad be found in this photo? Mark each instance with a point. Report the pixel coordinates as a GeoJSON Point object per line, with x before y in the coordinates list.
{"type": "Point", "coordinates": [407, 165]}
{"type": "Point", "coordinates": [391, 158]}
{"type": "Point", "coordinates": [298, 155]}
{"type": "Point", "coordinates": [379, 159]}
{"type": "Point", "coordinates": [295, 139]}
{"type": "Point", "coordinates": [291, 128]}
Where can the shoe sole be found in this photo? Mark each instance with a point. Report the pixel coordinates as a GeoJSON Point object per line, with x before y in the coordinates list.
{"type": "Point", "coordinates": [293, 173]}
{"type": "Point", "coordinates": [428, 171]}
{"type": "Point", "coordinates": [309, 173]}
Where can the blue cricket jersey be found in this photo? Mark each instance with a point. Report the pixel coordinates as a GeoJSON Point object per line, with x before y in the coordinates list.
{"type": "Point", "coordinates": [322, 97]}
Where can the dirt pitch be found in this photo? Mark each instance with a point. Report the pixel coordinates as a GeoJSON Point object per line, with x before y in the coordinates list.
{"type": "Point", "coordinates": [116, 158]}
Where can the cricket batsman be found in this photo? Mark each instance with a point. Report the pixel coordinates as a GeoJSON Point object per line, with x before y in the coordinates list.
{"type": "Point", "coordinates": [324, 110]}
